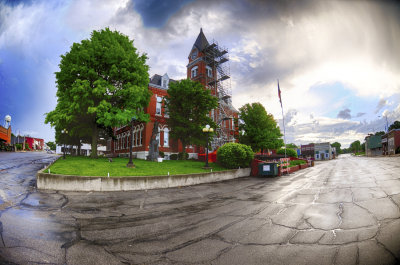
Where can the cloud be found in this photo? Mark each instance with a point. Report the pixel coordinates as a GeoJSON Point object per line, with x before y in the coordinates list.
{"type": "Point", "coordinates": [156, 13]}
{"type": "Point", "coordinates": [344, 114]}
{"type": "Point", "coordinates": [360, 114]}
{"type": "Point", "coordinates": [382, 103]}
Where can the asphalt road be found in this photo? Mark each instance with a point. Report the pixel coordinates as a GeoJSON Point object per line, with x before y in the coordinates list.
{"type": "Point", "coordinates": [344, 211]}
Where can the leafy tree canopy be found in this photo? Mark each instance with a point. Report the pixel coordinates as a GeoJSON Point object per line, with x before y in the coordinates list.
{"type": "Point", "coordinates": [289, 152]}
{"type": "Point", "coordinates": [395, 125]}
{"type": "Point", "coordinates": [380, 133]}
{"type": "Point", "coordinates": [102, 83]}
{"type": "Point", "coordinates": [355, 146]}
{"type": "Point", "coordinates": [51, 145]}
{"type": "Point", "coordinates": [259, 128]}
{"type": "Point", "coordinates": [291, 145]}
{"type": "Point", "coordinates": [337, 145]}
{"type": "Point", "coordinates": [189, 105]}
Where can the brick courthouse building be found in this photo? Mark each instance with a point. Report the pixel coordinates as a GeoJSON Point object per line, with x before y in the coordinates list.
{"type": "Point", "coordinates": [206, 65]}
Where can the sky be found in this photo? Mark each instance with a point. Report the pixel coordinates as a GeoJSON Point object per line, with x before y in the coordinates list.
{"type": "Point", "coordinates": [338, 62]}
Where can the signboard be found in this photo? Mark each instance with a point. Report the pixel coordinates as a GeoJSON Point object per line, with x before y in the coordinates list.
{"type": "Point", "coordinates": [285, 162]}
{"type": "Point", "coordinates": [266, 168]}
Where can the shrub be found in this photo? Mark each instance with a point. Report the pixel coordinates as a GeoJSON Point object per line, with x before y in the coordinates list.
{"type": "Point", "coordinates": [18, 146]}
{"type": "Point", "coordinates": [161, 154]}
{"type": "Point", "coordinates": [297, 162]}
{"type": "Point", "coordinates": [234, 155]}
{"type": "Point", "coordinates": [173, 156]}
{"type": "Point", "coordinates": [27, 146]}
{"type": "Point", "coordinates": [289, 152]}
{"type": "Point", "coordinates": [180, 155]}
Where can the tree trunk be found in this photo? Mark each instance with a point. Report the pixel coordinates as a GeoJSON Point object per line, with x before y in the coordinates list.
{"type": "Point", "coordinates": [183, 150]}
{"type": "Point", "coordinates": [94, 141]}
{"type": "Point", "coordinates": [79, 148]}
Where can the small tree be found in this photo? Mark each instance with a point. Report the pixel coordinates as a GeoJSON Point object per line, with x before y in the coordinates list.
{"type": "Point", "coordinates": [355, 146]}
{"type": "Point", "coordinates": [234, 155]}
{"type": "Point", "coordinates": [395, 125]}
{"type": "Point", "coordinates": [293, 146]}
{"type": "Point", "coordinates": [289, 152]}
{"type": "Point", "coordinates": [51, 145]}
{"type": "Point", "coordinates": [189, 105]}
{"type": "Point", "coordinates": [259, 127]}
{"type": "Point", "coordinates": [337, 145]}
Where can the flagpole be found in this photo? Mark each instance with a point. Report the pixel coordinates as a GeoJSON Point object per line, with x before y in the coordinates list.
{"type": "Point", "coordinates": [283, 118]}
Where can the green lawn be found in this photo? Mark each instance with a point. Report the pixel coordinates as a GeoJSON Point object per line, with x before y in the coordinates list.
{"type": "Point", "coordinates": [85, 166]}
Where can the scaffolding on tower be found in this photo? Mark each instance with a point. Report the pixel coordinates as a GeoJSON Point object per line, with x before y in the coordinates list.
{"type": "Point", "coordinates": [218, 81]}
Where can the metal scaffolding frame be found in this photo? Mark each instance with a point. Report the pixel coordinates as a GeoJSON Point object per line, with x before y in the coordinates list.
{"type": "Point", "coordinates": [217, 58]}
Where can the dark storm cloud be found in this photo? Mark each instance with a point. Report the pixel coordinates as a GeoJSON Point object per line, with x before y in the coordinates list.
{"type": "Point", "coordinates": [155, 13]}
{"type": "Point", "coordinates": [344, 114]}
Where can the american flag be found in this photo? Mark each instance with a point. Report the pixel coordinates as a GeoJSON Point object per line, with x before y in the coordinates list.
{"type": "Point", "coordinates": [279, 94]}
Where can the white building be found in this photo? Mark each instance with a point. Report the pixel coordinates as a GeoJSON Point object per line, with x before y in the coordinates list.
{"type": "Point", "coordinates": [86, 149]}
{"type": "Point", "coordinates": [323, 151]}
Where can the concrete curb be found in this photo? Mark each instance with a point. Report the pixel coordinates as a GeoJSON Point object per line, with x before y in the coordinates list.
{"type": "Point", "coordinates": [48, 181]}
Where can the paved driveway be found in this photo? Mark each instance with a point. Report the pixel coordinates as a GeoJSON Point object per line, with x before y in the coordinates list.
{"type": "Point", "coordinates": [344, 211]}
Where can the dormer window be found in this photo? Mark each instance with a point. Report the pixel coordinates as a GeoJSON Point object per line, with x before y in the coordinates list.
{"type": "Point", "coordinates": [165, 81]}
{"type": "Point", "coordinates": [194, 54]}
{"type": "Point", "coordinates": [195, 71]}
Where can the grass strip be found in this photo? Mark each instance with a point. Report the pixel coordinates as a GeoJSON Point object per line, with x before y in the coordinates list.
{"type": "Point", "coordinates": [86, 166]}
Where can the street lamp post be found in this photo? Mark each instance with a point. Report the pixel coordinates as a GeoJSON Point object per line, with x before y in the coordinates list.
{"type": "Point", "coordinates": [64, 131]}
{"type": "Point", "coordinates": [207, 130]}
{"type": "Point", "coordinates": [130, 163]}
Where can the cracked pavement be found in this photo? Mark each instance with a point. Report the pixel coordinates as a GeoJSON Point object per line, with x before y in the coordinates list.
{"type": "Point", "coordinates": [343, 211]}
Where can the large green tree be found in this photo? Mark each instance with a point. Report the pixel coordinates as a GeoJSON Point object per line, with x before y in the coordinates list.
{"type": "Point", "coordinates": [355, 146]}
{"type": "Point", "coordinates": [189, 105]}
{"type": "Point", "coordinates": [102, 83]}
{"type": "Point", "coordinates": [259, 129]}
{"type": "Point", "coordinates": [337, 145]}
{"type": "Point", "coordinates": [395, 125]}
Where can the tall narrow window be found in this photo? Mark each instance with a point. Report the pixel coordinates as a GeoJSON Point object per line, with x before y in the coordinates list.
{"type": "Point", "coordinates": [195, 71]}
{"type": "Point", "coordinates": [136, 138]}
{"type": "Point", "coordinates": [209, 71]}
{"type": "Point", "coordinates": [141, 137]}
{"type": "Point", "coordinates": [166, 137]}
{"type": "Point", "coordinates": [158, 105]}
{"type": "Point", "coordinates": [158, 137]}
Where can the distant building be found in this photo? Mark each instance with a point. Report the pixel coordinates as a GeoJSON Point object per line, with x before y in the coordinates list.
{"type": "Point", "coordinates": [323, 151]}
{"type": "Point", "coordinates": [373, 145]}
{"type": "Point", "coordinates": [307, 151]}
{"type": "Point", "coordinates": [391, 142]}
{"type": "Point", "coordinates": [5, 134]}
{"type": "Point", "coordinates": [86, 149]}
{"type": "Point", "coordinates": [35, 143]}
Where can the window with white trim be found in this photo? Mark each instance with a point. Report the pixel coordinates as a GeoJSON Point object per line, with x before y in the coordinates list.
{"type": "Point", "coordinates": [166, 137]}
{"type": "Point", "coordinates": [194, 71]}
{"type": "Point", "coordinates": [158, 105]}
{"type": "Point", "coordinates": [209, 71]}
{"type": "Point", "coordinates": [136, 137]}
